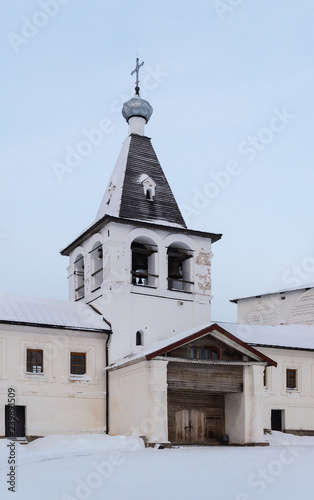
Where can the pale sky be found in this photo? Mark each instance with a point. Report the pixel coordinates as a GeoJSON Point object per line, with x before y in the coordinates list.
{"type": "Point", "coordinates": [231, 84]}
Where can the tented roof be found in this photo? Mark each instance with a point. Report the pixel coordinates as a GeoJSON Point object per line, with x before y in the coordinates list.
{"type": "Point", "coordinates": [124, 196]}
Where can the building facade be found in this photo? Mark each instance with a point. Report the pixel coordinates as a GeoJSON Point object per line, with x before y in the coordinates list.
{"type": "Point", "coordinates": [134, 349]}
{"type": "Point", "coordinates": [52, 359]}
{"type": "Point", "coordinates": [289, 306]}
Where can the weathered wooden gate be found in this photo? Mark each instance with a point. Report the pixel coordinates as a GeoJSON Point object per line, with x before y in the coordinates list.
{"type": "Point", "coordinates": [190, 426]}
{"type": "Point", "coordinates": [195, 417]}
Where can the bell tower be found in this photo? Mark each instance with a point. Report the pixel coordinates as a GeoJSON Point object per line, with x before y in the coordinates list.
{"type": "Point", "coordinates": [137, 263]}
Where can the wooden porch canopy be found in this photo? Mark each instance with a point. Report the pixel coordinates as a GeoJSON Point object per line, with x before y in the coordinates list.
{"type": "Point", "coordinates": [220, 333]}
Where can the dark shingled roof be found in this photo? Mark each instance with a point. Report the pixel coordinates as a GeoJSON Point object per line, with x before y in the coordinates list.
{"type": "Point", "coordinates": [142, 159]}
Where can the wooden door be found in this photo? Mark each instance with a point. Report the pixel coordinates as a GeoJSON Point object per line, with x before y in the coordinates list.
{"type": "Point", "coordinates": [181, 426]}
{"type": "Point", "coordinates": [198, 426]}
{"type": "Point", "coordinates": [190, 426]}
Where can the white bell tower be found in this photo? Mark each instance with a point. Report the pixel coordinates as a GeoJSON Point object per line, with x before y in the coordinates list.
{"type": "Point", "coordinates": [138, 264]}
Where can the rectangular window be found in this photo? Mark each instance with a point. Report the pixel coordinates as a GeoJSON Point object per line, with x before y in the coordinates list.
{"type": "Point", "coordinates": [291, 379]}
{"type": "Point", "coordinates": [35, 361]}
{"type": "Point", "coordinates": [78, 363]}
{"type": "Point", "coordinates": [208, 353]}
{"type": "Point", "coordinates": [193, 352]}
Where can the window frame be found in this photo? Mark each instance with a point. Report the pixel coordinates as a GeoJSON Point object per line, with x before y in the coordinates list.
{"type": "Point", "coordinates": [198, 349]}
{"type": "Point", "coordinates": [289, 372]}
{"type": "Point", "coordinates": [81, 354]}
{"type": "Point", "coordinates": [37, 363]}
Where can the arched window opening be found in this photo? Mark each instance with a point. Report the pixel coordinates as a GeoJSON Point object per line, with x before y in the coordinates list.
{"type": "Point", "coordinates": [149, 186]}
{"type": "Point", "coordinates": [144, 265]}
{"type": "Point", "coordinates": [139, 338]}
{"type": "Point", "coordinates": [79, 278]}
{"type": "Point", "coordinates": [179, 269]}
{"type": "Point", "coordinates": [97, 265]}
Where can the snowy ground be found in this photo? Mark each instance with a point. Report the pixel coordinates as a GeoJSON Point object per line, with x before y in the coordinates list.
{"type": "Point", "coordinates": [120, 468]}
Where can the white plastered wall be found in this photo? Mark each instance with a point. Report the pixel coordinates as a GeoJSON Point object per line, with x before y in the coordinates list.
{"type": "Point", "coordinates": [244, 411]}
{"type": "Point", "coordinates": [290, 307]}
{"type": "Point", "coordinates": [138, 400]}
{"type": "Point", "coordinates": [298, 404]}
{"type": "Point", "coordinates": [56, 403]}
{"type": "Point", "coordinates": [158, 312]}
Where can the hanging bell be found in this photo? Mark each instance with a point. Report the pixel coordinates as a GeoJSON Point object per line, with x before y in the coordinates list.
{"type": "Point", "coordinates": [140, 263]}
{"type": "Point", "coordinates": [175, 269]}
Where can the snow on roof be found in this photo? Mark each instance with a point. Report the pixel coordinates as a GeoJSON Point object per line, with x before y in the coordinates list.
{"type": "Point", "coordinates": [157, 346]}
{"type": "Point", "coordinates": [289, 336]}
{"type": "Point", "coordinates": [113, 192]}
{"type": "Point", "coordinates": [49, 312]}
{"type": "Point", "coordinates": [284, 290]}
{"type": "Point", "coordinates": [284, 336]}
{"type": "Point", "coordinates": [173, 342]}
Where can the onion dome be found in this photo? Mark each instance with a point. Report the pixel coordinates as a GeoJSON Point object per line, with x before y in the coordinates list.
{"type": "Point", "coordinates": [137, 107]}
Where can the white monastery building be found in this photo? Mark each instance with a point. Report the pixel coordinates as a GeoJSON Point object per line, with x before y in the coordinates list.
{"type": "Point", "coordinates": [134, 349]}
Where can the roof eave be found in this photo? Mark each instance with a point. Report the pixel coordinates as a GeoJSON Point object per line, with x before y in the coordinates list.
{"type": "Point", "coordinates": [58, 327]}
{"type": "Point", "coordinates": [94, 228]}
{"type": "Point", "coordinates": [205, 331]}
{"type": "Point", "coordinates": [277, 292]}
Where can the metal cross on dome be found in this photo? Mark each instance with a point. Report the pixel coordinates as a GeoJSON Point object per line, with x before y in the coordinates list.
{"type": "Point", "coordinates": [136, 70]}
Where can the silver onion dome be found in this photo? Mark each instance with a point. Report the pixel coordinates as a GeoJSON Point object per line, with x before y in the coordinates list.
{"type": "Point", "coordinates": [137, 107]}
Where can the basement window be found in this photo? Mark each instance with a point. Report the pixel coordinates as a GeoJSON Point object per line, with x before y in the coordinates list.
{"type": "Point", "coordinates": [35, 361]}
{"type": "Point", "coordinates": [78, 363]}
{"type": "Point", "coordinates": [207, 353]}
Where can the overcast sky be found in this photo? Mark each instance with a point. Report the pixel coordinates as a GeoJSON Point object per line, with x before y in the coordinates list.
{"type": "Point", "coordinates": [231, 84]}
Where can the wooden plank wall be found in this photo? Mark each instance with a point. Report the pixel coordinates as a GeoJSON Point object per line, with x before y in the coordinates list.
{"type": "Point", "coordinates": [210, 378]}
{"type": "Point", "coordinates": [212, 404]}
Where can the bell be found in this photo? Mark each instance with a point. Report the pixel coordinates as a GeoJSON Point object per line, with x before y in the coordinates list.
{"type": "Point", "coordinates": [175, 269]}
{"type": "Point", "coordinates": [139, 263]}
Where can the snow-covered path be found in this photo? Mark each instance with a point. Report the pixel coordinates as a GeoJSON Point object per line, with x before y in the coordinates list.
{"type": "Point", "coordinates": [119, 468]}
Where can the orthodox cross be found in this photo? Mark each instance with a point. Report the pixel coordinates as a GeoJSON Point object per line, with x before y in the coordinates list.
{"type": "Point", "coordinates": [136, 70]}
